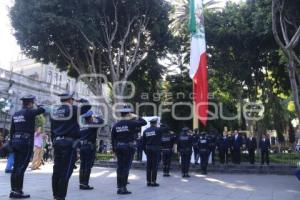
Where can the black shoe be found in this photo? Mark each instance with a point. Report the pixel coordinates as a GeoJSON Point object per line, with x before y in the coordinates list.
{"type": "Point", "coordinates": [167, 175]}
{"type": "Point", "coordinates": [8, 171]}
{"type": "Point", "coordinates": [18, 195]}
{"type": "Point", "coordinates": [85, 187]}
{"type": "Point", "coordinates": [187, 176]}
{"type": "Point", "coordinates": [155, 185]}
{"type": "Point", "coordinates": [196, 163]}
{"type": "Point", "coordinates": [149, 184]}
{"type": "Point", "coordinates": [183, 175]}
{"type": "Point", "coordinates": [123, 191]}
{"type": "Point", "coordinates": [203, 172]}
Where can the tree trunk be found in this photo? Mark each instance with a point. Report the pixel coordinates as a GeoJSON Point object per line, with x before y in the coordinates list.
{"type": "Point", "coordinates": [294, 86]}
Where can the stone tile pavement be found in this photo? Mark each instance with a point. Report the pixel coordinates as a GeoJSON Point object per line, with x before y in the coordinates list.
{"type": "Point", "coordinates": [198, 187]}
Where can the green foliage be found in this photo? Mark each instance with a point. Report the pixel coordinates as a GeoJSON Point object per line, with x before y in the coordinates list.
{"type": "Point", "coordinates": [42, 27]}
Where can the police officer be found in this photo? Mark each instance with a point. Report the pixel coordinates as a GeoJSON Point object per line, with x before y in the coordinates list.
{"type": "Point", "coordinates": [123, 136]}
{"type": "Point", "coordinates": [88, 137]}
{"type": "Point", "coordinates": [152, 146]}
{"type": "Point", "coordinates": [212, 144]}
{"type": "Point", "coordinates": [65, 132]}
{"type": "Point", "coordinates": [168, 140]}
{"type": "Point", "coordinates": [251, 147]}
{"type": "Point", "coordinates": [185, 144]}
{"type": "Point", "coordinates": [21, 141]}
{"type": "Point", "coordinates": [223, 145]}
{"type": "Point", "coordinates": [196, 146]}
{"type": "Point", "coordinates": [204, 149]}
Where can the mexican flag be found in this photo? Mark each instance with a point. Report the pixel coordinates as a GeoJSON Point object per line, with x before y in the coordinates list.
{"type": "Point", "coordinates": [198, 59]}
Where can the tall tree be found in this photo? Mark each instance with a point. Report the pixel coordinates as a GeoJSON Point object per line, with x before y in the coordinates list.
{"type": "Point", "coordinates": [286, 29]}
{"type": "Point", "coordinates": [110, 37]}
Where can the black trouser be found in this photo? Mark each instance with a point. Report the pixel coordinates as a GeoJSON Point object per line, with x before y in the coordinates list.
{"type": "Point", "coordinates": [139, 154]}
{"type": "Point", "coordinates": [251, 156]}
{"type": "Point", "coordinates": [124, 157]}
{"type": "Point", "coordinates": [237, 155]}
{"type": "Point", "coordinates": [265, 157]}
{"type": "Point", "coordinates": [153, 159]}
{"type": "Point", "coordinates": [87, 158]}
{"type": "Point", "coordinates": [204, 154]}
{"type": "Point", "coordinates": [223, 156]}
{"type": "Point", "coordinates": [23, 149]}
{"type": "Point", "coordinates": [196, 154]}
{"type": "Point", "coordinates": [166, 158]}
{"type": "Point", "coordinates": [64, 161]}
{"type": "Point", "coordinates": [185, 162]}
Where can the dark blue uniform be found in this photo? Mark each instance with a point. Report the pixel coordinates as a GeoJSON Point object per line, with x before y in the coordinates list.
{"type": "Point", "coordinates": [65, 132]}
{"type": "Point", "coordinates": [185, 144]}
{"type": "Point", "coordinates": [251, 147]}
{"type": "Point", "coordinates": [212, 143]}
{"type": "Point", "coordinates": [152, 146]}
{"type": "Point", "coordinates": [22, 136]}
{"type": "Point", "coordinates": [264, 146]}
{"type": "Point", "coordinates": [204, 149]}
{"type": "Point", "coordinates": [88, 137]}
{"type": "Point", "coordinates": [167, 142]}
{"type": "Point", "coordinates": [123, 136]}
{"type": "Point", "coordinates": [223, 145]}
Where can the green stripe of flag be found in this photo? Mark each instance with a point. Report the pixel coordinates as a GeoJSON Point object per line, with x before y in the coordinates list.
{"type": "Point", "coordinates": [192, 17]}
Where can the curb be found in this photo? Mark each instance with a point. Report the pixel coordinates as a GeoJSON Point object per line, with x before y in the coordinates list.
{"type": "Point", "coordinates": [223, 169]}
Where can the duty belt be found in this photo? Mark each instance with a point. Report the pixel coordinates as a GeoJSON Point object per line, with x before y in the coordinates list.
{"type": "Point", "coordinates": [64, 138]}
{"type": "Point", "coordinates": [125, 144]}
{"type": "Point", "coordinates": [83, 142]}
{"type": "Point", "coordinates": [22, 136]}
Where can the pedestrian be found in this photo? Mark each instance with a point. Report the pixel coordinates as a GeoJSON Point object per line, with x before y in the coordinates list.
{"type": "Point", "coordinates": [236, 147]}
{"type": "Point", "coordinates": [196, 146]}
{"type": "Point", "coordinates": [88, 137]}
{"type": "Point", "coordinates": [204, 149]}
{"type": "Point", "coordinates": [168, 140]}
{"type": "Point", "coordinates": [38, 150]}
{"type": "Point", "coordinates": [66, 137]}
{"type": "Point", "coordinates": [21, 141]}
{"type": "Point", "coordinates": [251, 147]}
{"type": "Point", "coordinates": [123, 136]}
{"type": "Point", "coordinates": [152, 137]}
{"type": "Point", "coordinates": [264, 146]}
{"type": "Point", "coordinates": [185, 145]}
{"type": "Point", "coordinates": [223, 146]}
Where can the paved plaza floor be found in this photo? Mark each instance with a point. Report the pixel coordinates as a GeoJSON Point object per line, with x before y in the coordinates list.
{"type": "Point", "coordinates": [198, 187]}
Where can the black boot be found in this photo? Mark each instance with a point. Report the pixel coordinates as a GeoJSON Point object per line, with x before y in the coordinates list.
{"type": "Point", "coordinates": [18, 195]}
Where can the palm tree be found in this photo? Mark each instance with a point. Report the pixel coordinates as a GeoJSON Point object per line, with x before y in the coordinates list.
{"type": "Point", "coordinates": [180, 14]}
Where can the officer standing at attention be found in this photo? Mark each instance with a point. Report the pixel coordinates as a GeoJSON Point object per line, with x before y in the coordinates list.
{"type": "Point", "coordinates": [236, 147]}
{"type": "Point", "coordinates": [212, 144]}
{"type": "Point", "coordinates": [123, 136]}
{"type": "Point", "coordinates": [185, 144]}
{"type": "Point", "coordinates": [21, 141]}
{"type": "Point", "coordinates": [88, 137]}
{"type": "Point", "coordinates": [65, 132]}
{"type": "Point", "coordinates": [196, 146]}
{"type": "Point", "coordinates": [251, 147]}
{"type": "Point", "coordinates": [204, 149]}
{"type": "Point", "coordinates": [223, 146]}
{"type": "Point", "coordinates": [167, 141]}
{"type": "Point", "coordinates": [152, 137]}
{"type": "Point", "coordinates": [264, 146]}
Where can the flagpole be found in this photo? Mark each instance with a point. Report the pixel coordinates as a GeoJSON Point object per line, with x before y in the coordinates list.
{"type": "Point", "coordinates": [195, 117]}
